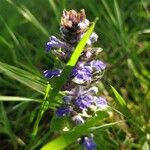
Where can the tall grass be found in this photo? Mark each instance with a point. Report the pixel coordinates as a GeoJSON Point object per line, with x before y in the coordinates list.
{"type": "Point", "coordinates": [123, 27]}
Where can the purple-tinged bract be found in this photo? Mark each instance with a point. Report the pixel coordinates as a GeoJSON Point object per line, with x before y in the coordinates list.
{"type": "Point", "coordinates": [78, 119]}
{"type": "Point", "coordinates": [101, 102]}
{"type": "Point", "coordinates": [55, 43]}
{"type": "Point", "coordinates": [82, 74]}
{"type": "Point", "coordinates": [98, 65]}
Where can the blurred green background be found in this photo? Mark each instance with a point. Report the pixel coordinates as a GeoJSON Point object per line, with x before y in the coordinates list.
{"type": "Point", "coordinates": [124, 34]}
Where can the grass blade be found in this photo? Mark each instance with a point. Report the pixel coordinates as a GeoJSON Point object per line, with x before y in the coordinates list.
{"type": "Point", "coordinates": [122, 107]}
{"type": "Point", "coordinates": [118, 15]}
{"type": "Point", "coordinates": [16, 98]}
{"type": "Point", "coordinates": [42, 110]}
{"type": "Point", "coordinates": [105, 126]}
{"type": "Point", "coordinates": [28, 16]}
{"type": "Point", "coordinates": [7, 125]}
{"type": "Point", "coordinates": [3, 40]}
{"type": "Point", "coordinates": [109, 12]}
{"type": "Point", "coordinates": [55, 9]}
{"type": "Point", "coordinates": [24, 77]}
{"type": "Point", "coordinates": [137, 74]}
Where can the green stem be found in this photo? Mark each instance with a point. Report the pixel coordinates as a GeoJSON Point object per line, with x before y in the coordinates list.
{"type": "Point", "coordinates": [42, 110]}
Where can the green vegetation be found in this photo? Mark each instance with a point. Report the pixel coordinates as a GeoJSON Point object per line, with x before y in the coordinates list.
{"type": "Point", "coordinates": [124, 34]}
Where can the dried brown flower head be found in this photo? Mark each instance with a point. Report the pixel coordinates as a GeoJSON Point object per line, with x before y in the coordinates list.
{"type": "Point", "coordinates": [73, 25]}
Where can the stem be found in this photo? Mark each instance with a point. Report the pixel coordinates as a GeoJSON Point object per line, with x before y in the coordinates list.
{"type": "Point", "coordinates": [43, 108]}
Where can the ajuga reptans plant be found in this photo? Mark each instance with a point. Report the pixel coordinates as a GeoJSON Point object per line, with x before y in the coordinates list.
{"type": "Point", "coordinates": [81, 100]}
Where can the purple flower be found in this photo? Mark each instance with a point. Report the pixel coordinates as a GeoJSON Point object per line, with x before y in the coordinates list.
{"type": "Point", "coordinates": [55, 43]}
{"type": "Point", "coordinates": [84, 101]}
{"type": "Point", "coordinates": [89, 144]}
{"type": "Point", "coordinates": [101, 102]}
{"type": "Point", "coordinates": [78, 119]}
{"type": "Point", "coordinates": [52, 73]}
{"type": "Point", "coordinates": [63, 111]}
{"type": "Point", "coordinates": [82, 74]}
{"type": "Point", "coordinates": [98, 65]}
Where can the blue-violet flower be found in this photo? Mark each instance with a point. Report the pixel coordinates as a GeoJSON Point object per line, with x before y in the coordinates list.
{"type": "Point", "coordinates": [52, 73]}
{"type": "Point", "coordinates": [84, 101]}
{"type": "Point", "coordinates": [63, 111]}
{"type": "Point", "coordinates": [88, 143]}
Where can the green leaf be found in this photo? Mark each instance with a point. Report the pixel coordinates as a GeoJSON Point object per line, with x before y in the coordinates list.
{"type": "Point", "coordinates": [69, 137]}
{"type": "Point", "coordinates": [105, 126]}
{"type": "Point", "coordinates": [122, 107]}
{"type": "Point", "coordinates": [24, 77]}
{"type": "Point", "coordinates": [58, 123]}
{"type": "Point", "coordinates": [119, 98]}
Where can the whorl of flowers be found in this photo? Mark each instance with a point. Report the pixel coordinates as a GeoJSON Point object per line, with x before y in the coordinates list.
{"type": "Point", "coordinates": [81, 100]}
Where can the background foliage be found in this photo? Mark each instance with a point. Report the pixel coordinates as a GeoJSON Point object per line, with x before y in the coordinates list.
{"type": "Point", "coordinates": [124, 34]}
